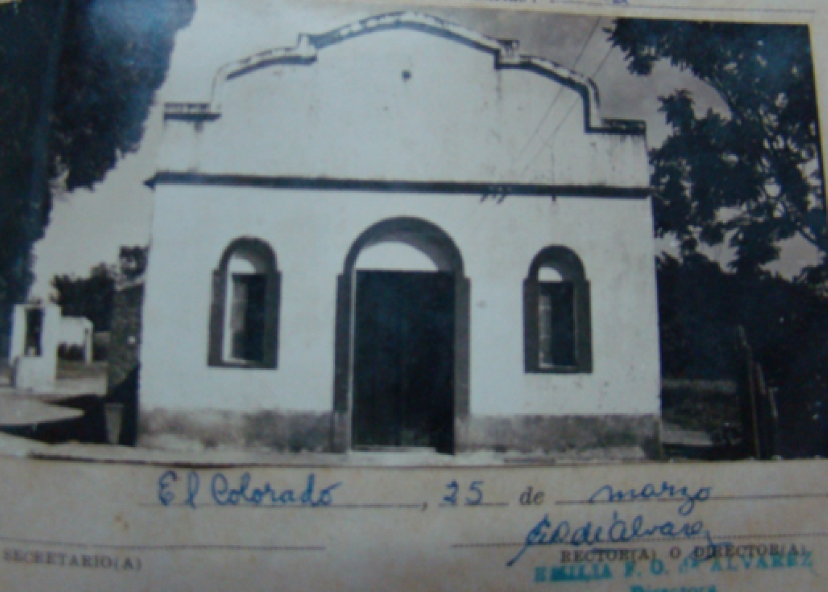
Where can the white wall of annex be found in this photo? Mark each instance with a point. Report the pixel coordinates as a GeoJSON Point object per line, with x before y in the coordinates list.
{"type": "Point", "coordinates": [311, 232]}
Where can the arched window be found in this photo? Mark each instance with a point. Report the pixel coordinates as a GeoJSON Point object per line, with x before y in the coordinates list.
{"type": "Point", "coordinates": [557, 328]}
{"type": "Point", "coordinates": [244, 315]}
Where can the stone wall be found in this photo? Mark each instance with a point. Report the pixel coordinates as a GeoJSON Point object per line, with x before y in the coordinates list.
{"type": "Point", "coordinates": [124, 356]}
{"type": "Point", "coordinates": [125, 338]}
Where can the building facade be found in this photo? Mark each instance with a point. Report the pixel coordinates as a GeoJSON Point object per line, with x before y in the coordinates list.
{"type": "Point", "coordinates": [385, 237]}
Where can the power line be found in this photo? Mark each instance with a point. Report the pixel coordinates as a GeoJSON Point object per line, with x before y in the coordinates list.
{"type": "Point", "coordinates": [569, 111]}
{"type": "Point", "coordinates": [604, 61]}
{"type": "Point", "coordinates": [561, 88]}
{"type": "Point", "coordinates": [594, 74]}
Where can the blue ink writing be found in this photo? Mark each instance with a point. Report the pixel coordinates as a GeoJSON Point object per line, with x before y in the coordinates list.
{"type": "Point", "coordinates": [619, 531]}
{"type": "Point", "coordinates": [244, 493]}
{"type": "Point", "coordinates": [451, 499]}
{"type": "Point", "coordinates": [475, 500]}
{"type": "Point", "coordinates": [165, 496]}
{"type": "Point", "coordinates": [650, 492]}
{"type": "Point", "coordinates": [265, 495]}
{"type": "Point", "coordinates": [192, 488]}
{"type": "Point", "coordinates": [475, 487]}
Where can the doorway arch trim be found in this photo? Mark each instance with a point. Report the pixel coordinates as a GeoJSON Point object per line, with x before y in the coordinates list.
{"type": "Point", "coordinates": [441, 246]}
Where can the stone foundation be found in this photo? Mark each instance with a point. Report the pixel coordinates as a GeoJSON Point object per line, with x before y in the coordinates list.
{"type": "Point", "coordinates": [325, 432]}
{"type": "Point", "coordinates": [228, 430]}
{"type": "Point", "coordinates": [550, 434]}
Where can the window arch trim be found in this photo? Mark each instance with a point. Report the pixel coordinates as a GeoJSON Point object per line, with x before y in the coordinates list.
{"type": "Point", "coordinates": [567, 263]}
{"type": "Point", "coordinates": [264, 254]}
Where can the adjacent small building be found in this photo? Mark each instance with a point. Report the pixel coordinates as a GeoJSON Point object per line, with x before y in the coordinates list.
{"type": "Point", "coordinates": [36, 332]}
{"type": "Point", "coordinates": [39, 333]}
{"type": "Point", "coordinates": [390, 236]}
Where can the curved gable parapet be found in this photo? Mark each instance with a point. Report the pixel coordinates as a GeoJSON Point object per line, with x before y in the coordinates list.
{"type": "Point", "coordinates": [423, 101]}
{"type": "Point", "coordinates": [413, 21]}
{"type": "Point", "coordinates": [505, 53]}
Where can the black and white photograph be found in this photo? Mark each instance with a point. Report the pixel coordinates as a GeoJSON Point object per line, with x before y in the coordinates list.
{"type": "Point", "coordinates": [384, 234]}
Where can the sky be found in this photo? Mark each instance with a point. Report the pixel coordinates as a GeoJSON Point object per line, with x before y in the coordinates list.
{"type": "Point", "coordinates": [89, 227]}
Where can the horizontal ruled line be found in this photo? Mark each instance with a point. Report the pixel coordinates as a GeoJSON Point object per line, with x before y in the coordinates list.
{"type": "Point", "coordinates": [485, 545]}
{"type": "Point", "coordinates": [766, 496]}
{"type": "Point", "coordinates": [480, 505]}
{"type": "Point", "coordinates": [82, 545]}
{"type": "Point", "coordinates": [418, 506]}
{"type": "Point", "coordinates": [372, 506]}
{"type": "Point", "coordinates": [650, 540]}
{"type": "Point", "coordinates": [715, 498]}
{"type": "Point", "coordinates": [773, 536]}
{"type": "Point", "coordinates": [369, 506]}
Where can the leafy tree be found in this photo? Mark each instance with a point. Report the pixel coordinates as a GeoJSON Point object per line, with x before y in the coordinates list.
{"type": "Point", "coordinates": [698, 331]}
{"type": "Point", "coordinates": [93, 296]}
{"type": "Point", "coordinates": [751, 177]}
{"type": "Point", "coordinates": [29, 51]}
{"type": "Point", "coordinates": [115, 56]}
{"type": "Point", "coordinates": [700, 309]}
{"type": "Point", "coordinates": [77, 80]}
{"type": "Point", "coordinates": [89, 297]}
{"type": "Point", "coordinates": [132, 263]}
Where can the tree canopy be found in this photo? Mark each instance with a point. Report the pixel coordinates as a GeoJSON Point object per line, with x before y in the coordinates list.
{"type": "Point", "coordinates": [115, 56]}
{"type": "Point", "coordinates": [28, 47]}
{"type": "Point", "coordinates": [77, 80]}
{"type": "Point", "coordinates": [90, 297]}
{"type": "Point", "coordinates": [751, 177]}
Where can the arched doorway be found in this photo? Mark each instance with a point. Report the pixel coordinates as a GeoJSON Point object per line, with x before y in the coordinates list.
{"type": "Point", "coordinates": [401, 377]}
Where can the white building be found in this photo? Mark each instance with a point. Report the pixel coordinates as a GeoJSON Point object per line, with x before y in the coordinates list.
{"type": "Point", "coordinates": [34, 344]}
{"type": "Point", "coordinates": [363, 241]}
{"type": "Point", "coordinates": [38, 332]}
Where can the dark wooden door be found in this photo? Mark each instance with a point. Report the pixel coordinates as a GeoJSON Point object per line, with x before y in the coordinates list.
{"type": "Point", "coordinates": [404, 360]}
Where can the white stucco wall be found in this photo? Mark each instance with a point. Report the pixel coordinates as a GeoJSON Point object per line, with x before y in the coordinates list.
{"type": "Point", "coordinates": [30, 371]}
{"type": "Point", "coordinates": [311, 231]}
{"type": "Point", "coordinates": [403, 105]}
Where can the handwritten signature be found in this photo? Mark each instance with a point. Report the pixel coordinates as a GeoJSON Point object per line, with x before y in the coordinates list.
{"type": "Point", "coordinates": [620, 529]}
